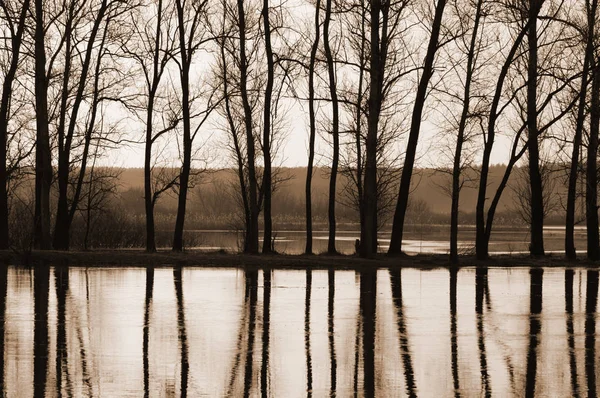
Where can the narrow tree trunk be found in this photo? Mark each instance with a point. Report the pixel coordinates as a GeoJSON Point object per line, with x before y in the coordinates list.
{"type": "Point", "coordinates": [313, 130]}
{"type": "Point", "coordinates": [186, 165]}
{"type": "Point", "coordinates": [536, 247]}
{"type": "Point", "coordinates": [43, 165]}
{"type": "Point", "coordinates": [574, 170]}
{"type": "Point", "coordinates": [481, 241]}
{"type": "Point", "coordinates": [413, 138]}
{"type": "Point", "coordinates": [252, 230]}
{"type": "Point", "coordinates": [7, 86]}
{"type": "Point", "coordinates": [591, 193]}
{"type": "Point", "coordinates": [358, 119]}
{"type": "Point", "coordinates": [149, 198]}
{"type": "Point", "coordinates": [460, 139]}
{"type": "Point", "coordinates": [236, 143]}
{"type": "Point", "coordinates": [267, 183]}
{"type": "Point", "coordinates": [335, 130]}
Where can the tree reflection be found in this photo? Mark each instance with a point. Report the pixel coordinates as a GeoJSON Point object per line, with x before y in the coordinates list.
{"type": "Point", "coordinates": [569, 274]}
{"type": "Point", "coordinates": [41, 283]}
{"type": "Point", "coordinates": [251, 292]}
{"type": "Point", "coordinates": [481, 280]}
{"type": "Point", "coordinates": [61, 279]}
{"type": "Point", "coordinates": [264, 372]}
{"type": "Point", "coordinates": [591, 301]}
{"type": "Point", "coordinates": [182, 333]}
{"type": "Point", "coordinates": [368, 300]}
{"type": "Point", "coordinates": [409, 375]}
{"type": "Point", "coordinates": [331, 331]}
{"type": "Point", "coordinates": [453, 334]}
{"type": "Point", "coordinates": [535, 326]}
{"type": "Point", "coordinates": [3, 292]}
{"type": "Point", "coordinates": [307, 332]}
{"type": "Point", "coordinates": [146, 337]}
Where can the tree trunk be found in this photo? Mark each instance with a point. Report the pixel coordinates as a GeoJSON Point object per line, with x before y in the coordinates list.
{"type": "Point", "coordinates": [267, 183]}
{"type": "Point", "coordinates": [335, 130]}
{"type": "Point", "coordinates": [43, 165]}
{"type": "Point", "coordinates": [7, 85]}
{"type": "Point", "coordinates": [368, 227]}
{"type": "Point", "coordinates": [481, 241]}
{"type": "Point", "coordinates": [591, 193]}
{"type": "Point", "coordinates": [536, 247]}
{"type": "Point", "coordinates": [413, 138]}
{"type": "Point", "coordinates": [252, 232]}
{"type": "Point", "coordinates": [186, 165]}
{"type": "Point", "coordinates": [313, 130]}
{"type": "Point", "coordinates": [460, 139]}
{"type": "Point", "coordinates": [574, 169]}
{"type": "Point", "coordinates": [149, 198]}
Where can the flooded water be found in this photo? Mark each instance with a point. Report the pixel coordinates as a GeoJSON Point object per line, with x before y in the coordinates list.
{"type": "Point", "coordinates": [133, 332]}
{"type": "Point", "coordinates": [417, 239]}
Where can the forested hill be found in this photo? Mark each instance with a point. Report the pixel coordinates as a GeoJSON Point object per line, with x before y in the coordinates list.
{"type": "Point", "coordinates": [215, 196]}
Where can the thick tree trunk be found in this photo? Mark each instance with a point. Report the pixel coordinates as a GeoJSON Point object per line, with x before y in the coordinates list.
{"type": "Point", "coordinates": [591, 192]}
{"type": "Point", "coordinates": [7, 86]}
{"type": "Point", "coordinates": [536, 248]}
{"type": "Point", "coordinates": [252, 230]}
{"type": "Point", "coordinates": [43, 165]}
{"type": "Point", "coordinates": [460, 139]}
{"type": "Point", "coordinates": [413, 138]}
{"type": "Point", "coordinates": [574, 169]}
{"type": "Point", "coordinates": [368, 227]}
{"type": "Point", "coordinates": [267, 182]}
{"type": "Point", "coordinates": [186, 165]}
{"type": "Point", "coordinates": [313, 130]}
{"type": "Point", "coordinates": [335, 130]}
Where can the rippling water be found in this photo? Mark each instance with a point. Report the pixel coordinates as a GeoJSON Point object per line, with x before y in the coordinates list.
{"type": "Point", "coordinates": [233, 332]}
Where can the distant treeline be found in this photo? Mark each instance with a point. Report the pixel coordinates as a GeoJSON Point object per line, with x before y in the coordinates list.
{"type": "Point", "coordinates": [119, 219]}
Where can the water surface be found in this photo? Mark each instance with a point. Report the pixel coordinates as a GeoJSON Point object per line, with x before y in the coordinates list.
{"type": "Point", "coordinates": [117, 332]}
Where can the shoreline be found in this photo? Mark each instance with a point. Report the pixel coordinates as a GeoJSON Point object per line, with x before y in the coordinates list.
{"type": "Point", "coordinates": [196, 258]}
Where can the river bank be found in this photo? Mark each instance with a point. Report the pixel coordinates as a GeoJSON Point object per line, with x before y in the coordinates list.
{"type": "Point", "coordinates": [193, 258]}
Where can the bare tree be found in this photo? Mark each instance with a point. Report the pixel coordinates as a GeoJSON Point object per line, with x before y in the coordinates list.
{"type": "Point", "coordinates": [267, 184]}
{"type": "Point", "coordinates": [462, 125]}
{"type": "Point", "coordinates": [312, 127]}
{"type": "Point", "coordinates": [15, 24]}
{"type": "Point", "coordinates": [536, 247]}
{"type": "Point", "coordinates": [335, 127]}
{"type": "Point", "coordinates": [413, 138]}
{"type": "Point", "coordinates": [577, 138]}
{"type": "Point", "coordinates": [43, 165]}
{"type": "Point", "coordinates": [66, 133]}
{"type": "Point", "coordinates": [157, 49]}
{"type": "Point", "coordinates": [191, 18]}
{"type": "Point", "coordinates": [252, 229]}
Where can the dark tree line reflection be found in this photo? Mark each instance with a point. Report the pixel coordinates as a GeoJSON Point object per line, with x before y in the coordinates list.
{"type": "Point", "coordinates": [61, 364]}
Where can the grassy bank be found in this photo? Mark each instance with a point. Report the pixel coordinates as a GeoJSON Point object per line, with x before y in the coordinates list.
{"type": "Point", "coordinates": [139, 258]}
